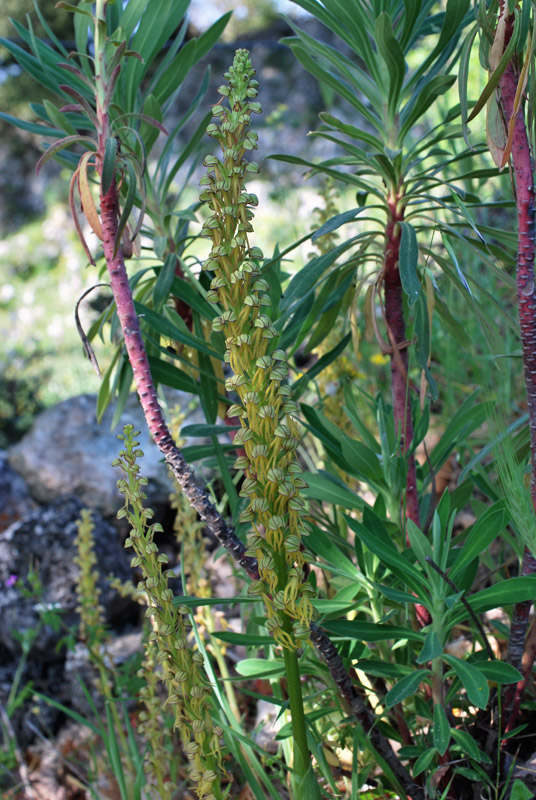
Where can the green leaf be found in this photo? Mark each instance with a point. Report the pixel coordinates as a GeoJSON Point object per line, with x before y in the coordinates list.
{"type": "Point", "coordinates": [327, 549]}
{"type": "Point", "coordinates": [260, 668]}
{"type": "Point", "coordinates": [424, 761]}
{"type": "Point", "coordinates": [327, 75]}
{"type": "Point", "coordinates": [61, 144]}
{"type": "Point", "coordinates": [441, 730]}
{"type": "Point", "coordinates": [396, 594]}
{"type": "Point", "coordinates": [208, 394]}
{"type": "Point", "coordinates": [197, 452]}
{"type": "Point", "coordinates": [308, 788]}
{"type": "Point", "coordinates": [168, 329]}
{"type": "Point", "coordinates": [499, 671]}
{"type": "Point", "coordinates": [474, 683]}
{"type": "Point", "coordinates": [405, 687]}
{"type": "Point", "coordinates": [418, 106]}
{"type": "Point", "coordinates": [391, 52]}
{"type": "Point", "coordinates": [372, 631]}
{"type": "Point", "coordinates": [465, 420]}
{"type": "Point", "coordinates": [431, 648]}
{"type": "Point", "coordinates": [377, 540]}
{"type": "Point", "coordinates": [363, 461]}
{"type": "Point", "coordinates": [384, 669]}
{"type": "Point", "coordinates": [419, 543]}
{"type": "Point", "coordinates": [169, 375]}
{"type": "Point", "coordinates": [493, 82]}
{"type": "Point", "coordinates": [351, 130]}
{"type": "Point", "coordinates": [326, 489]}
{"type": "Point", "coordinates": [193, 602]}
{"type": "Point", "coordinates": [514, 590]}
{"type": "Point", "coordinates": [73, 8]}
{"type": "Point", "coordinates": [467, 743]}
{"type": "Point", "coordinates": [246, 639]}
{"type": "Point", "coordinates": [58, 118]}
{"type": "Point", "coordinates": [184, 291]}
{"type": "Point", "coordinates": [336, 222]}
{"type": "Point", "coordinates": [108, 164]}
{"type": "Point", "coordinates": [520, 791]}
{"type": "Point", "coordinates": [409, 256]}
{"type": "Point", "coordinates": [207, 430]}
{"type": "Point", "coordinates": [482, 534]}
{"type": "Point", "coordinates": [304, 280]}
{"type": "Point", "coordinates": [31, 127]}
{"type": "Point", "coordinates": [164, 280]}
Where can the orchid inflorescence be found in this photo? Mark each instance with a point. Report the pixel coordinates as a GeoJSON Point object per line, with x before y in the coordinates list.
{"type": "Point", "coordinates": [182, 668]}
{"type": "Point", "coordinates": [268, 435]}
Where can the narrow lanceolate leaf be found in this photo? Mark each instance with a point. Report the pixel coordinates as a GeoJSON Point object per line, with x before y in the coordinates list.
{"type": "Point", "coordinates": [74, 8]}
{"type": "Point", "coordinates": [515, 590]}
{"type": "Point", "coordinates": [496, 74]}
{"type": "Point", "coordinates": [127, 205]}
{"type": "Point", "coordinates": [59, 119]}
{"type": "Point", "coordinates": [86, 196]}
{"type": "Point", "coordinates": [146, 118]}
{"type": "Point", "coordinates": [405, 687]}
{"type": "Point", "coordinates": [472, 680]}
{"type": "Point", "coordinates": [61, 144]}
{"type": "Point", "coordinates": [499, 671]}
{"type": "Point", "coordinates": [326, 489]}
{"type": "Point", "coordinates": [408, 258]}
{"type": "Point", "coordinates": [335, 222]}
{"type": "Point", "coordinates": [482, 534]}
{"type": "Point", "coordinates": [431, 648]}
{"type": "Point", "coordinates": [441, 729]}
{"type": "Point", "coordinates": [393, 56]}
{"type": "Point", "coordinates": [108, 164]}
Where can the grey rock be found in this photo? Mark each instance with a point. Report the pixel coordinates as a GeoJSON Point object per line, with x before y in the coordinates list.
{"type": "Point", "coordinates": [15, 499]}
{"type": "Point", "coordinates": [68, 452]}
{"type": "Point", "coordinates": [79, 670]}
{"type": "Point", "coordinates": [45, 543]}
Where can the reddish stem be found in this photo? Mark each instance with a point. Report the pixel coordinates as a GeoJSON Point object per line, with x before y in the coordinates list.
{"type": "Point", "coordinates": [523, 169]}
{"type": "Point", "coordinates": [137, 355]}
{"type": "Point", "coordinates": [394, 315]}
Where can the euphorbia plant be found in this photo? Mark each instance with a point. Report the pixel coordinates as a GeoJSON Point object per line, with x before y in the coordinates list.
{"type": "Point", "coordinates": [403, 171]}
{"type": "Point", "coordinates": [507, 49]}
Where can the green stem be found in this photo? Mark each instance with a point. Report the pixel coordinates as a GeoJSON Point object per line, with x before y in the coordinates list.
{"type": "Point", "coordinates": [224, 672]}
{"type": "Point", "coordinates": [302, 757]}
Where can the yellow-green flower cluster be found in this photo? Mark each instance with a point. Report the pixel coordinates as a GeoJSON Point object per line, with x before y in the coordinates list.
{"type": "Point", "coordinates": [182, 667]}
{"type": "Point", "coordinates": [268, 435]}
{"type": "Point", "coordinates": [92, 629]}
{"type": "Point", "coordinates": [150, 726]}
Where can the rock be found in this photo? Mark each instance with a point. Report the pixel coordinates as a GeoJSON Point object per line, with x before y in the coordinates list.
{"type": "Point", "coordinates": [44, 543]}
{"type": "Point", "coordinates": [79, 668]}
{"type": "Point", "coordinates": [68, 452]}
{"type": "Point", "coordinates": [15, 499]}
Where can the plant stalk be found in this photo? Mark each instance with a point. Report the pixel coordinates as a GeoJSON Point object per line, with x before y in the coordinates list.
{"type": "Point", "coordinates": [523, 169]}
{"type": "Point", "coordinates": [396, 328]}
